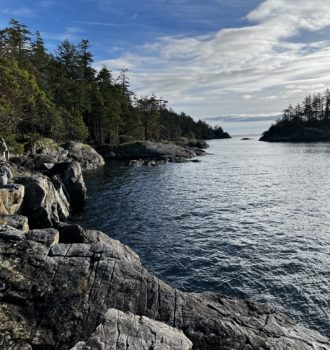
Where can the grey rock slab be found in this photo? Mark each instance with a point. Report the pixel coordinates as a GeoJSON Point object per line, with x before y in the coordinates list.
{"type": "Point", "coordinates": [47, 237]}
{"type": "Point", "coordinates": [19, 222]}
{"type": "Point", "coordinates": [73, 181]}
{"type": "Point", "coordinates": [43, 204]}
{"type": "Point", "coordinates": [54, 298]}
{"type": "Point", "coordinates": [9, 233]}
{"type": "Point", "coordinates": [122, 331]}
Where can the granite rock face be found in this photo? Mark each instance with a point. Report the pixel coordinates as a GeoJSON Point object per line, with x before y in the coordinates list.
{"type": "Point", "coordinates": [47, 237]}
{"type": "Point", "coordinates": [84, 154]}
{"type": "Point", "coordinates": [122, 331]}
{"type": "Point", "coordinates": [11, 198]}
{"type": "Point", "coordinates": [45, 199]}
{"type": "Point", "coordinates": [19, 222]}
{"type": "Point", "coordinates": [43, 204]}
{"type": "Point", "coordinates": [73, 182]}
{"type": "Point", "coordinates": [55, 297]}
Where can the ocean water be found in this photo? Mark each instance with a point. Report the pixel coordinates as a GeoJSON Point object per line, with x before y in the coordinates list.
{"type": "Point", "coordinates": [251, 220]}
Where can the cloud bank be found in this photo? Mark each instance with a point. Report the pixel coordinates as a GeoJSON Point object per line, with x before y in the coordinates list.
{"type": "Point", "coordinates": [254, 70]}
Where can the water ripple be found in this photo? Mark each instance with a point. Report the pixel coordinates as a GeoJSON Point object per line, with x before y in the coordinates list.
{"type": "Point", "coordinates": [252, 220]}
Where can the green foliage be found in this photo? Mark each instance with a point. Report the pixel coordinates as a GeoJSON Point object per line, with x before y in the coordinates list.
{"type": "Point", "coordinates": [18, 94]}
{"type": "Point", "coordinates": [313, 112]}
{"type": "Point", "coordinates": [13, 145]}
{"type": "Point", "coordinates": [61, 96]}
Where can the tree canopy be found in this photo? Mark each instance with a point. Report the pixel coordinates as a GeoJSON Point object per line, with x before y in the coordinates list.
{"type": "Point", "coordinates": [60, 95]}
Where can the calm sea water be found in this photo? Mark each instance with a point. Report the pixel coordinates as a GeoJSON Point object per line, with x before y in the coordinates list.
{"type": "Point", "coordinates": [251, 220]}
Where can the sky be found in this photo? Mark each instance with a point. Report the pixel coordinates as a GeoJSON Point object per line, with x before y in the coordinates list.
{"type": "Point", "coordinates": [237, 63]}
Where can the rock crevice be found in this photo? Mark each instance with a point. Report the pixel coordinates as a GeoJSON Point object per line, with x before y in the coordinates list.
{"type": "Point", "coordinates": [61, 293]}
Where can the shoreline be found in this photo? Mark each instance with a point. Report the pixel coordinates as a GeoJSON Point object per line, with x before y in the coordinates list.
{"type": "Point", "coordinates": [109, 276]}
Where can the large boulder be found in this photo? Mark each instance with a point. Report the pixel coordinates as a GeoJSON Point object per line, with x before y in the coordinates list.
{"type": "Point", "coordinates": [11, 198]}
{"type": "Point", "coordinates": [73, 181]}
{"type": "Point", "coordinates": [147, 150]}
{"type": "Point", "coordinates": [43, 204]}
{"type": "Point", "coordinates": [84, 154]}
{"type": "Point", "coordinates": [19, 222]}
{"type": "Point", "coordinates": [122, 331]}
{"type": "Point", "coordinates": [53, 298]}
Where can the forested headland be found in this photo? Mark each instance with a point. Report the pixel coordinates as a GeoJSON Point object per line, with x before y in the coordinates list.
{"type": "Point", "coordinates": [307, 121]}
{"type": "Point", "coordinates": [61, 96]}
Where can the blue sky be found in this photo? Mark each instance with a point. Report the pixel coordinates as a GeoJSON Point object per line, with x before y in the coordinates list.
{"type": "Point", "coordinates": [218, 60]}
{"type": "Point", "coordinates": [115, 26]}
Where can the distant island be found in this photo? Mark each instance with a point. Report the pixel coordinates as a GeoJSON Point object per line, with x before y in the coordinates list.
{"type": "Point", "coordinates": [306, 122]}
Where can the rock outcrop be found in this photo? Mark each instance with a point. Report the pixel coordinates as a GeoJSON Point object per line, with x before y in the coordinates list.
{"type": "Point", "coordinates": [84, 154]}
{"type": "Point", "coordinates": [45, 153]}
{"type": "Point", "coordinates": [43, 204]}
{"type": "Point", "coordinates": [147, 150]}
{"type": "Point", "coordinates": [48, 200]}
{"type": "Point", "coordinates": [47, 237]}
{"type": "Point", "coordinates": [53, 296]}
{"type": "Point", "coordinates": [122, 331]}
{"type": "Point", "coordinates": [70, 176]}
{"type": "Point", "coordinates": [19, 222]}
{"type": "Point", "coordinates": [74, 184]}
{"type": "Point", "coordinates": [11, 198]}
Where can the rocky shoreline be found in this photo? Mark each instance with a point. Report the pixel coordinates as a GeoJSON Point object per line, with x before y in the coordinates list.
{"type": "Point", "coordinates": [278, 134]}
{"type": "Point", "coordinates": [65, 287]}
{"type": "Point", "coordinates": [149, 153]}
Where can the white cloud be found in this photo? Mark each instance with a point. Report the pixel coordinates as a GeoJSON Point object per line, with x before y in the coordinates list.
{"type": "Point", "coordinates": [257, 69]}
{"type": "Point", "coordinates": [20, 12]}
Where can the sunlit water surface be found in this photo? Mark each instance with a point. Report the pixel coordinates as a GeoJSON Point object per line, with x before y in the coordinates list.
{"type": "Point", "coordinates": [251, 220]}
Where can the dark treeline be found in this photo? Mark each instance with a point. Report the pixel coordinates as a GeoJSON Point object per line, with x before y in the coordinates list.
{"type": "Point", "coordinates": [313, 112]}
{"type": "Point", "coordinates": [61, 96]}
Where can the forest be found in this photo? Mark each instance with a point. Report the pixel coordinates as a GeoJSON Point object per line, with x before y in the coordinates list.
{"type": "Point", "coordinates": [61, 96]}
{"type": "Point", "coordinates": [313, 112]}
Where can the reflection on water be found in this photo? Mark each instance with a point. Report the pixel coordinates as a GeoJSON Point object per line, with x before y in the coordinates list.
{"type": "Point", "coordinates": [252, 220]}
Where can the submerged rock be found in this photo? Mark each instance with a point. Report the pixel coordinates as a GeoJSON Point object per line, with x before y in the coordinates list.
{"type": "Point", "coordinates": [122, 331]}
{"type": "Point", "coordinates": [54, 297]}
